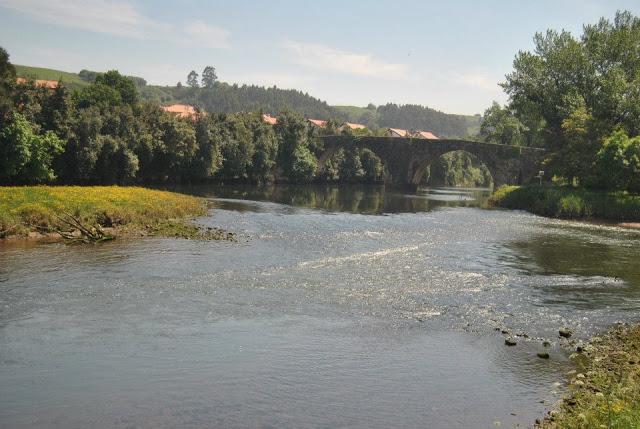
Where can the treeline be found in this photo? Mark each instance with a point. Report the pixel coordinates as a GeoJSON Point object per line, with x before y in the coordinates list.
{"type": "Point", "coordinates": [225, 98]}
{"type": "Point", "coordinates": [211, 95]}
{"type": "Point", "coordinates": [415, 117]}
{"type": "Point", "coordinates": [579, 98]}
{"type": "Point", "coordinates": [104, 134]}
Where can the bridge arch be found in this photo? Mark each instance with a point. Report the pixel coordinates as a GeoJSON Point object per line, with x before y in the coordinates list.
{"type": "Point", "coordinates": [483, 171]}
{"type": "Point", "coordinates": [406, 159]}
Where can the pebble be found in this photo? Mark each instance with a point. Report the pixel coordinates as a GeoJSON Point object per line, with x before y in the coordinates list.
{"type": "Point", "coordinates": [543, 355]}
{"type": "Point", "coordinates": [510, 341]}
{"type": "Point", "coordinates": [565, 332]}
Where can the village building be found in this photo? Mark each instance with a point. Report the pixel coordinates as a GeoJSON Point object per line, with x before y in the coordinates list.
{"type": "Point", "coordinates": [51, 84]}
{"type": "Point", "coordinates": [398, 132]}
{"type": "Point", "coordinates": [427, 135]}
{"type": "Point", "coordinates": [352, 126]}
{"type": "Point", "coordinates": [317, 123]}
{"type": "Point", "coordinates": [268, 119]}
{"type": "Point", "coordinates": [182, 110]}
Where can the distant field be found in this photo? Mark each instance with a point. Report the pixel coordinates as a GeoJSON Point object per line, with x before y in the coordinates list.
{"type": "Point", "coordinates": [71, 79]}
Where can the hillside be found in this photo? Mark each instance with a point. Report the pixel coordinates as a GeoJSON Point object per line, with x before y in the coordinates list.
{"type": "Point", "coordinates": [71, 79]}
{"type": "Point", "coordinates": [413, 117]}
{"type": "Point", "coordinates": [226, 98]}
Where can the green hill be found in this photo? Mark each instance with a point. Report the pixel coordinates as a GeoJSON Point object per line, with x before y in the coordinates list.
{"type": "Point", "coordinates": [71, 79]}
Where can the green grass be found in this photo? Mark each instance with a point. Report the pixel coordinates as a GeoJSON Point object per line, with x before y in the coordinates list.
{"type": "Point", "coordinates": [70, 79]}
{"type": "Point", "coordinates": [123, 210]}
{"type": "Point", "coordinates": [606, 393]}
{"type": "Point", "coordinates": [569, 203]}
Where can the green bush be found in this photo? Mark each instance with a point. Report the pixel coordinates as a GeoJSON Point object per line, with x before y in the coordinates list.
{"type": "Point", "coordinates": [569, 202]}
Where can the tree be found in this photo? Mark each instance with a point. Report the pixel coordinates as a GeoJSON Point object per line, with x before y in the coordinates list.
{"type": "Point", "coordinates": [372, 165]}
{"type": "Point", "coordinates": [500, 126]}
{"type": "Point", "coordinates": [293, 150]}
{"type": "Point", "coordinates": [617, 164]}
{"type": "Point", "coordinates": [576, 92]}
{"type": "Point", "coordinates": [351, 166]}
{"type": "Point", "coordinates": [192, 79]}
{"type": "Point", "coordinates": [25, 156]}
{"type": "Point", "coordinates": [7, 81]}
{"type": "Point", "coordinates": [123, 85]}
{"type": "Point", "coordinates": [303, 165]}
{"type": "Point", "coordinates": [209, 77]}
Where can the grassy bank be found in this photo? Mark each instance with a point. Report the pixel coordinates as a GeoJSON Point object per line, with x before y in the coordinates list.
{"type": "Point", "coordinates": [606, 391]}
{"type": "Point", "coordinates": [569, 202]}
{"type": "Point", "coordinates": [101, 211]}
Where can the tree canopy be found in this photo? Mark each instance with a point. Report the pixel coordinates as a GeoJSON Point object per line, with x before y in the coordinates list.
{"type": "Point", "coordinates": [574, 95]}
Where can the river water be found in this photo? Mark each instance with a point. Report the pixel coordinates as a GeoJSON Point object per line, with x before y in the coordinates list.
{"type": "Point", "coordinates": [352, 307]}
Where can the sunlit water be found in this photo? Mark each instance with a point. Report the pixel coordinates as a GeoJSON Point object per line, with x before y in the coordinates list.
{"type": "Point", "coordinates": [351, 307]}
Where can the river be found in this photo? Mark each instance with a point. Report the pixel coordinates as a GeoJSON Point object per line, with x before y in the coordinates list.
{"type": "Point", "coordinates": [353, 307]}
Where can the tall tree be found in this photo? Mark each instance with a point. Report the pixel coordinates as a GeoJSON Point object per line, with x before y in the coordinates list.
{"type": "Point", "coordinates": [209, 77]}
{"type": "Point", "coordinates": [192, 79]}
{"type": "Point", "coordinates": [578, 91]}
{"type": "Point", "coordinates": [7, 81]}
{"type": "Point", "coordinates": [499, 125]}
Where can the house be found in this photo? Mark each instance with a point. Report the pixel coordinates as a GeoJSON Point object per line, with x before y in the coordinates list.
{"type": "Point", "coordinates": [352, 126]}
{"type": "Point", "coordinates": [181, 110]}
{"type": "Point", "coordinates": [397, 132]}
{"type": "Point", "coordinates": [427, 135]}
{"type": "Point", "coordinates": [50, 84]}
{"type": "Point", "coordinates": [268, 119]}
{"type": "Point", "coordinates": [317, 123]}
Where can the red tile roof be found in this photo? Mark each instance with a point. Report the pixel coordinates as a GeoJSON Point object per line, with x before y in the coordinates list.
{"type": "Point", "coordinates": [268, 119]}
{"type": "Point", "coordinates": [318, 122]}
{"type": "Point", "coordinates": [353, 126]}
{"type": "Point", "coordinates": [182, 110]}
{"type": "Point", "coordinates": [397, 132]}
{"type": "Point", "coordinates": [426, 135]}
{"type": "Point", "coordinates": [51, 84]}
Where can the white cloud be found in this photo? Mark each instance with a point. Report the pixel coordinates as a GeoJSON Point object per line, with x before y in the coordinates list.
{"type": "Point", "coordinates": [475, 80]}
{"type": "Point", "coordinates": [117, 18]}
{"type": "Point", "coordinates": [101, 16]}
{"type": "Point", "coordinates": [207, 35]}
{"type": "Point", "coordinates": [323, 57]}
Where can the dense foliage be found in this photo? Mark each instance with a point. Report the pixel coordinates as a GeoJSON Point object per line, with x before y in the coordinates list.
{"type": "Point", "coordinates": [569, 202]}
{"type": "Point", "coordinates": [580, 99]}
{"type": "Point", "coordinates": [102, 133]}
{"type": "Point", "coordinates": [458, 168]}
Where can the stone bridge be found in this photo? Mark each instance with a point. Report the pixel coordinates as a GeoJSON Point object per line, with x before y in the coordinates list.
{"type": "Point", "coordinates": [406, 160]}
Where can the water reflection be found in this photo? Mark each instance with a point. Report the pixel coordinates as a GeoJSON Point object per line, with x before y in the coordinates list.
{"type": "Point", "coordinates": [364, 199]}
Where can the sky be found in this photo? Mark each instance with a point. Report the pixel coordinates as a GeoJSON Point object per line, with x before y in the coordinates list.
{"type": "Point", "coordinates": [449, 55]}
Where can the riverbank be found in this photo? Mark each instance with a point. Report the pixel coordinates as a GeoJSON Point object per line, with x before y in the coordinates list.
{"type": "Point", "coordinates": [99, 213]}
{"type": "Point", "coordinates": [606, 390]}
{"type": "Point", "coordinates": [569, 202]}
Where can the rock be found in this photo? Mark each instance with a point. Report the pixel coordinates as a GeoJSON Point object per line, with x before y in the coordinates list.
{"type": "Point", "coordinates": [546, 344]}
{"type": "Point", "coordinates": [565, 332]}
{"type": "Point", "coordinates": [578, 383]}
{"type": "Point", "coordinates": [600, 394]}
{"type": "Point", "coordinates": [579, 348]}
{"type": "Point", "coordinates": [543, 355]}
{"type": "Point", "coordinates": [504, 331]}
{"type": "Point", "coordinates": [580, 375]}
{"type": "Point", "coordinates": [510, 341]}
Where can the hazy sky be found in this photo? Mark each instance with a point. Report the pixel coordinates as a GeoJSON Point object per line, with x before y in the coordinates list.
{"type": "Point", "coordinates": [449, 55]}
